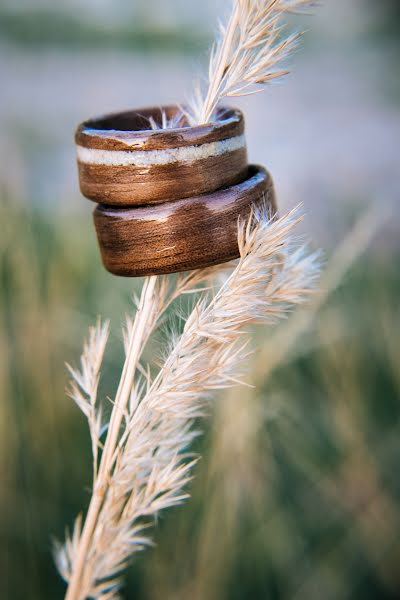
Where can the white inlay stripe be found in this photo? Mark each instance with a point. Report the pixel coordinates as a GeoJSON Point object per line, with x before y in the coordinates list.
{"type": "Point", "coordinates": [148, 158]}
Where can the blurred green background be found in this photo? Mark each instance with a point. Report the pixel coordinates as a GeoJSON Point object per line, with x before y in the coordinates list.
{"type": "Point", "coordinates": [298, 494]}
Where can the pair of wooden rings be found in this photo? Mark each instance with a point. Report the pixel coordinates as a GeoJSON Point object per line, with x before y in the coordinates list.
{"type": "Point", "coordinates": [169, 199]}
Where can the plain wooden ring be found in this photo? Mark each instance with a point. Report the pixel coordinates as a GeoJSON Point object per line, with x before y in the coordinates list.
{"type": "Point", "coordinates": [183, 234]}
{"type": "Point", "coordinates": [123, 162]}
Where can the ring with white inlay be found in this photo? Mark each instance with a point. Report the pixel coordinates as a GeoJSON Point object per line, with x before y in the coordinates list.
{"type": "Point", "coordinates": [169, 195]}
{"type": "Point", "coordinates": [124, 160]}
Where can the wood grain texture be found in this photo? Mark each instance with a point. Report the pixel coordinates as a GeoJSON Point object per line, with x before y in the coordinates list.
{"type": "Point", "coordinates": [140, 185]}
{"type": "Point", "coordinates": [130, 130]}
{"type": "Point", "coordinates": [210, 157]}
{"type": "Point", "coordinates": [183, 234]}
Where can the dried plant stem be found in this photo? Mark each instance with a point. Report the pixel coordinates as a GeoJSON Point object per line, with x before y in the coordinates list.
{"type": "Point", "coordinates": [275, 351]}
{"type": "Point", "coordinates": [250, 53]}
{"type": "Point", "coordinates": [142, 319]}
{"type": "Point", "coordinates": [215, 83]}
{"type": "Point", "coordinates": [147, 462]}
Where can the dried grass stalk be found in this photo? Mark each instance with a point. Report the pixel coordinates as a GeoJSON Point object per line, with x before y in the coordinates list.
{"type": "Point", "coordinates": [252, 47]}
{"type": "Point", "coordinates": [146, 461]}
{"type": "Point", "coordinates": [149, 466]}
{"type": "Point", "coordinates": [84, 384]}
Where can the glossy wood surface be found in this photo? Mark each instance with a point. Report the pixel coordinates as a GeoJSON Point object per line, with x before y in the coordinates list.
{"type": "Point", "coordinates": [124, 134]}
{"type": "Point", "coordinates": [140, 185]}
{"type": "Point", "coordinates": [131, 130]}
{"type": "Point", "coordinates": [183, 234]}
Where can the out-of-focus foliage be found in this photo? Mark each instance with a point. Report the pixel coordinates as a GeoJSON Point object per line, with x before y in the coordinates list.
{"type": "Point", "coordinates": [47, 28]}
{"type": "Point", "coordinates": [388, 13]}
{"type": "Point", "coordinates": [298, 495]}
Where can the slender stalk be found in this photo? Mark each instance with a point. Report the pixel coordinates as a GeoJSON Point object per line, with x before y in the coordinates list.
{"type": "Point", "coordinates": [250, 52]}
{"type": "Point", "coordinates": [213, 91]}
{"type": "Point", "coordinates": [138, 334]}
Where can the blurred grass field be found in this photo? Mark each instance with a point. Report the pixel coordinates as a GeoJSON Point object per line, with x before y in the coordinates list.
{"type": "Point", "coordinates": [298, 494]}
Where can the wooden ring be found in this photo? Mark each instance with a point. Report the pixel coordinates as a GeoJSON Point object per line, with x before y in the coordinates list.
{"type": "Point", "coordinates": [123, 162]}
{"type": "Point", "coordinates": [183, 234]}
